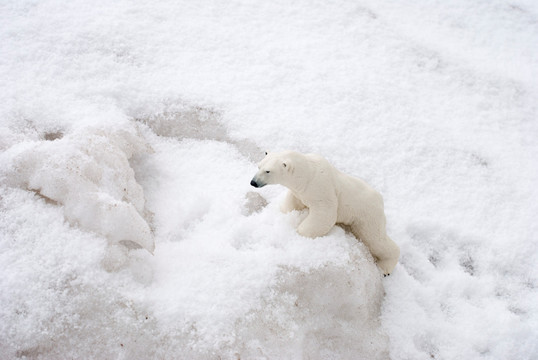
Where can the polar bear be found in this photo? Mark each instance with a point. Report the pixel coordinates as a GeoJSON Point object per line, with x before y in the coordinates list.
{"type": "Point", "coordinates": [331, 197]}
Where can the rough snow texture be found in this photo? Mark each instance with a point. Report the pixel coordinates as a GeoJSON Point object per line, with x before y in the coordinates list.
{"type": "Point", "coordinates": [431, 102]}
{"type": "Point", "coordinates": [87, 172]}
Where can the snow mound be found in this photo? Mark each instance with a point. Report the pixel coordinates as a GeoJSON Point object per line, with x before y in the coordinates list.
{"type": "Point", "coordinates": [88, 172]}
{"type": "Point", "coordinates": [329, 312]}
{"type": "Point", "coordinates": [257, 294]}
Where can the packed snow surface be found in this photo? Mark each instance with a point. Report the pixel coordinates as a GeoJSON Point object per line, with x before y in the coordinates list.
{"type": "Point", "coordinates": [130, 130]}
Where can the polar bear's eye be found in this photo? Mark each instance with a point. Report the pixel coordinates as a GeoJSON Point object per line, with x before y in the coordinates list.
{"type": "Point", "coordinates": [267, 171]}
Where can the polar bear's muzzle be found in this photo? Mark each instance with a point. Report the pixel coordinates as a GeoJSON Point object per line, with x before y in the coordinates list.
{"type": "Point", "coordinates": [257, 183]}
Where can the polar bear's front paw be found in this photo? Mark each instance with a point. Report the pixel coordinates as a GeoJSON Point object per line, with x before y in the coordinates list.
{"type": "Point", "coordinates": [306, 232]}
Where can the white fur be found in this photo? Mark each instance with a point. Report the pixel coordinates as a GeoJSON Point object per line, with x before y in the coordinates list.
{"type": "Point", "coordinates": [331, 197]}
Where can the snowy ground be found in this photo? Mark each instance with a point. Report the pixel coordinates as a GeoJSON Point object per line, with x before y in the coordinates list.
{"type": "Point", "coordinates": [131, 127]}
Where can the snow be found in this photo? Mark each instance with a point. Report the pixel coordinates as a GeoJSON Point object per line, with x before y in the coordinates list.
{"type": "Point", "coordinates": [88, 172]}
{"type": "Point", "coordinates": [126, 125]}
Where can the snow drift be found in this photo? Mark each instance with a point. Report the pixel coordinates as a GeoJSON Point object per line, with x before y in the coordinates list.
{"type": "Point", "coordinates": [87, 172]}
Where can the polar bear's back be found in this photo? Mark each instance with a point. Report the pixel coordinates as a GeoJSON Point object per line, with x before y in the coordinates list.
{"type": "Point", "coordinates": [356, 198]}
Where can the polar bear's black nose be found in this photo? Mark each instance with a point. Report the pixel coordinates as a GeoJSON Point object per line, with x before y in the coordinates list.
{"type": "Point", "coordinates": [253, 183]}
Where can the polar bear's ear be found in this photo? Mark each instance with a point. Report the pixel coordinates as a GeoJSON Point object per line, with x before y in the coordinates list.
{"type": "Point", "coordinates": [287, 165]}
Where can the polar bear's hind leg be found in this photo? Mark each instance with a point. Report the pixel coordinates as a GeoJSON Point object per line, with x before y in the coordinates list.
{"type": "Point", "coordinates": [380, 245]}
{"type": "Point", "coordinates": [387, 262]}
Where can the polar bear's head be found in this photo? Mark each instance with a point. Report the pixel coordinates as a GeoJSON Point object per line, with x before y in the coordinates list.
{"type": "Point", "coordinates": [275, 168]}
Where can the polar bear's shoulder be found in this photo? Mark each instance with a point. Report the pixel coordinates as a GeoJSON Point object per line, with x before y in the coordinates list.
{"type": "Point", "coordinates": [317, 160]}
